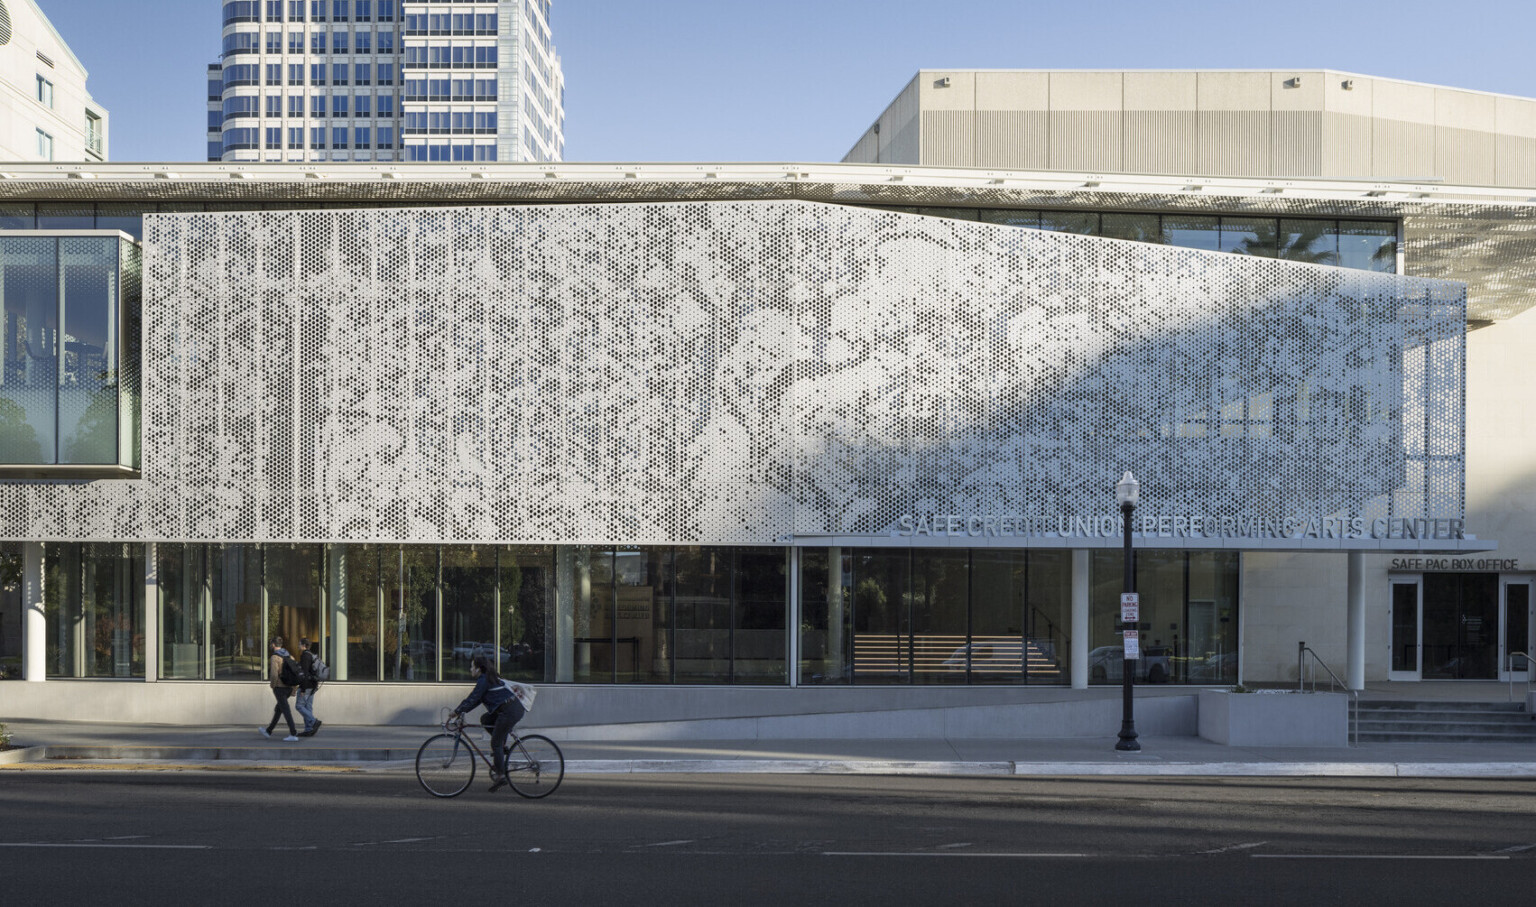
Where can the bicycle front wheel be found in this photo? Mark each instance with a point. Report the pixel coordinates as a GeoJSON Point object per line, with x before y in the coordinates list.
{"type": "Point", "coordinates": [535, 766]}
{"type": "Point", "coordinates": [445, 765]}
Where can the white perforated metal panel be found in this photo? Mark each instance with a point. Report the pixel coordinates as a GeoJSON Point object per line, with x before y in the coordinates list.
{"type": "Point", "coordinates": [727, 372]}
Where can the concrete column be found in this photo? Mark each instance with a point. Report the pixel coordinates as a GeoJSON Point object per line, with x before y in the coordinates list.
{"type": "Point", "coordinates": [151, 613]}
{"type": "Point", "coordinates": [837, 610]}
{"type": "Point", "coordinates": [1080, 619]}
{"type": "Point", "coordinates": [1354, 667]}
{"type": "Point", "coordinates": [792, 616]}
{"type": "Point", "coordinates": [34, 621]}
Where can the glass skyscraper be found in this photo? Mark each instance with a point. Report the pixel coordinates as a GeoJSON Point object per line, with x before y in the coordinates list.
{"type": "Point", "coordinates": [386, 80]}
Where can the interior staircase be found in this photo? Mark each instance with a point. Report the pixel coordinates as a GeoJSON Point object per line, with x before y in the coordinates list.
{"type": "Point", "coordinates": [1404, 721]}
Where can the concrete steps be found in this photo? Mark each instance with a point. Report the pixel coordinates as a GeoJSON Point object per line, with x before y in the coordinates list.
{"type": "Point", "coordinates": [1393, 721]}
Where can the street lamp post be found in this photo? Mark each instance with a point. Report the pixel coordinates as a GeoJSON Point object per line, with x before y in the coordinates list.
{"type": "Point", "coordinates": [1127, 490]}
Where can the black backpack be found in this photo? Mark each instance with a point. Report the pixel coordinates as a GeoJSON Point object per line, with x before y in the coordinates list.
{"type": "Point", "coordinates": [291, 675]}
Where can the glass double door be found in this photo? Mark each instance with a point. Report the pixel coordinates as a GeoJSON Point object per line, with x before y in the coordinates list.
{"type": "Point", "coordinates": [1460, 626]}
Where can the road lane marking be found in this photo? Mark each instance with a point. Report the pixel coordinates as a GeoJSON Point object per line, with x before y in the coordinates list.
{"type": "Point", "coordinates": [1518, 848]}
{"type": "Point", "coordinates": [1373, 856]}
{"type": "Point", "coordinates": [118, 846]}
{"type": "Point", "coordinates": [1016, 856]}
{"type": "Point", "coordinates": [1231, 848]}
{"type": "Point", "coordinates": [666, 844]}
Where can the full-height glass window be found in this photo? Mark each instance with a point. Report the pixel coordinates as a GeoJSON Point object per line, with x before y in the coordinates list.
{"type": "Point", "coordinates": [184, 594]}
{"type": "Point", "coordinates": [642, 609]}
{"type": "Point", "coordinates": [411, 641]}
{"type": "Point", "coordinates": [294, 592]}
{"type": "Point", "coordinates": [996, 649]}
{"type": "Point", "coordinates": [235, 609]}
{"type": "Point", "coordinates": [68, 352]}
{"type": "Point", "coordinates": [1206, 652]}
{"type": "Point", "coordinates": [940, 615]}
{"type": "Point", "coordinates": [94, 605]}
{"type": "Point", "coordinates": [1188, 616]}
{"type": "Point", "coordinates": [10, 610]}
{"type": "Point", "coordinates": [704, 579]}
{"type": "Point", "coordinates": [934, 616]}
{"type": "Point", "coordinates": [759, 616]}
{"type": "Point", "coordinates": [358, 653]}
{"type": "Point", "coordinates": [882, 622]}
{"type": "Point", "coordinates": [584, 614]}
{"type": "Point", "coordinates": [29, 373]}
{"type": "Point", "coordinates": [211, 612]}
{"type": "Point", "coordinates": [526, 581]}
{"type": "Point", "coordinates": [469, 610]}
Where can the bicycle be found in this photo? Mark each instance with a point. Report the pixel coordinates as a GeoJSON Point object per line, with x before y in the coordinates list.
{"type": "Point", "coordinates": [445, 764]}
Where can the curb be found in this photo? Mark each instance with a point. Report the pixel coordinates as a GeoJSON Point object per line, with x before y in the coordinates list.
{"type": "Point", "coordinates": [384, 758]}
{"type": "Point", "coordinates": [23, 754]}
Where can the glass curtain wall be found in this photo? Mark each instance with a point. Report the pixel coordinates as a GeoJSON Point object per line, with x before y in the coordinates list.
{"type": "Point", "coordinates": [211, 612]}
{"type": "Point", "coordinates": [671, 615]}
{"type": "Point", "coordinates": [94, 604]}
{"type": "Point", "coordinates": [416, 614]}
{"type": "Point", "coordinates": [1188, 616]}
{"type": "Point", "coordinates": [934, 616]}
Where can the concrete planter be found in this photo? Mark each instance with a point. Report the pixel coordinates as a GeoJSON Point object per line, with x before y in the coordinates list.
{"type": "Point", "coordinates": [1274, 718]}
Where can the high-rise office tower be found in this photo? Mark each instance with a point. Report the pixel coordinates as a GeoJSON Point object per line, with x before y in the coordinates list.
{"type": "Point", "coordinates": [46, 113]}
{"type": "Point", "coordinates": [386, 80]}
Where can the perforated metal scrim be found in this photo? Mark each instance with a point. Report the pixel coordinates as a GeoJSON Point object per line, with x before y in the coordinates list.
{"type": "Point", "coordinates": [740, 371]}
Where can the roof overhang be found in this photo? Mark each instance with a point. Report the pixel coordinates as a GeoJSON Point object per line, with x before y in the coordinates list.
{"type": "Point", "coordinates": [1482, 236]}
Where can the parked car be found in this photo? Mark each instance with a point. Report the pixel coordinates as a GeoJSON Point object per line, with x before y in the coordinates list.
{"type": "Point", "coordinates": [466, 651]}
{"type": "Point", "coordinates": [1106, 664]}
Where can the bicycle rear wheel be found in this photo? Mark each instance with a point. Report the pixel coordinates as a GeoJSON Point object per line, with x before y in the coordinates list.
{"type": "Point", "coordinates": [445, 765]}
{"type": "Point", "coordinates": [535, 766]}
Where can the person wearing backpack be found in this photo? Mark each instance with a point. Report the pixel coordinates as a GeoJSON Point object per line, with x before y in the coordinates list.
{"type": "Point", "coordinates": [284, 674]}
{"type": "Point", "coordinates": [310, 671]}
{"type": "Point", "coordinates": [502, 711]}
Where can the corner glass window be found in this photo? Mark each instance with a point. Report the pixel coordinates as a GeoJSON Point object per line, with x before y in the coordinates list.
{"type": "Point", "coordinates": [68, 355]}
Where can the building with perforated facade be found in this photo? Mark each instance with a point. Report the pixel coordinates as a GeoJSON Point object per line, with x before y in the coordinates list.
{"type": "Point", "coordinates": [46, 112]}
{"type": "Point", "coordinates": [830, 448]}
{"type": "Point", "coordinates": [386, 80]}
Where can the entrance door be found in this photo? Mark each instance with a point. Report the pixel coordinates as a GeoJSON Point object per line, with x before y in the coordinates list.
{"type": "Point", "coordinates": [1517, 630]}
{"type": "Point", "coordinates": [1406, 661]}
{"type": "Point", "coordinates": [1460, 637]}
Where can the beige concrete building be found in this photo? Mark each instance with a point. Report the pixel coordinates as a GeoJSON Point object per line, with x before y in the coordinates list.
{"type": "Point", "coordinates": [46, 112]}
{"type": "Point", "coordinates": [1271, 123]}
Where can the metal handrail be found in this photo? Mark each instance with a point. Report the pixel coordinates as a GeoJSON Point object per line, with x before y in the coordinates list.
{"type": "Point", "coordinates": [1302, 651]}
{"type": "Point", "coordinates": [1529, 679]}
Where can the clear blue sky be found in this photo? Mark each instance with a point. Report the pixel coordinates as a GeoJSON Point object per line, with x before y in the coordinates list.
{"type": "Point", "coordinates": [798, 80]}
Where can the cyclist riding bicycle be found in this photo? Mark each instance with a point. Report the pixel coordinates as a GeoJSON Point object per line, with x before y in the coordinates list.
{"type": "Point", "coordinates": [502, 711]}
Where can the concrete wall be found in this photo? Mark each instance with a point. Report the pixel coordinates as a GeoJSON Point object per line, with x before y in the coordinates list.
{"type": "Point", "coordinates": [609, 712]}
{"type": "Point", "coordinates": [1302, 123]}
{"type": "Point", "coordinates": [1274, 719]}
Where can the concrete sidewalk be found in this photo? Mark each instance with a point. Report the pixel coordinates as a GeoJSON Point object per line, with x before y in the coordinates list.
{"type": "Point", "coordinates": [394, 748]}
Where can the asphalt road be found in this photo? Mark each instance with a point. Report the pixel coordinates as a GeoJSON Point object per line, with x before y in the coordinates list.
{"type": "Point", "coordinates": [329, 837]}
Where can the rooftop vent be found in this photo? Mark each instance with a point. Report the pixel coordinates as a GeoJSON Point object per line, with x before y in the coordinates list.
{"type": "Point", "coordinates": [5, 24]}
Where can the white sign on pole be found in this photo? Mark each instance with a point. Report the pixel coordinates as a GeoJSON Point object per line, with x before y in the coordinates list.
{"type": "Point", "coordinates": [1130, 607]}
{"type": "Point", "coordinates": [1132, 645]}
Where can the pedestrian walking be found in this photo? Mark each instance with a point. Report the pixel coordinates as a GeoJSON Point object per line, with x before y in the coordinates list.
{"type": "Point", "coordinates": [309, 657]}
{"type": "Point", "coordinates": [284, 674]}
